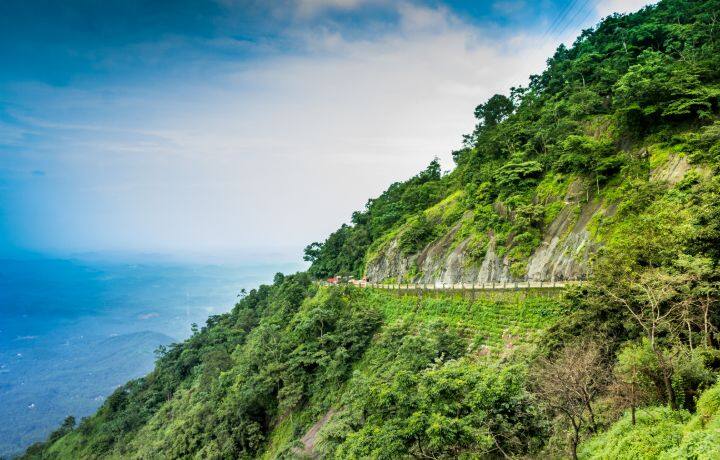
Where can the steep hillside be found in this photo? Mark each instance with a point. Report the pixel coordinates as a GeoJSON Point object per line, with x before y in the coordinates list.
{"type": "Point", "coordinates": [626, 105]}
{"type": "Point", "coordinates": [296, 369]}
{"type": "Point", "coordinates": [605, 167]}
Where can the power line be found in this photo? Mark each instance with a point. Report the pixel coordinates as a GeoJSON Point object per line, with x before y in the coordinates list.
{"type": "Point", "coordinates": [580, 10]}
{"type": "Point", "coordinates": [587, 16]}
{"type": "Point", "coordinates": [560, 18]}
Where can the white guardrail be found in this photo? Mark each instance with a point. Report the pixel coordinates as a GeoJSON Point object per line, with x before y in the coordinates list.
{"type": "Point", "coordinates": [488, 286]}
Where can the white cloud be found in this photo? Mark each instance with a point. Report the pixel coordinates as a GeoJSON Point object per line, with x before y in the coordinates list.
{"type": "Point", "coordinates": [607, 7]}
{"type": "Point", "coordinates": [274, 154]}
{"type": "Point", "coordinates": [11, 134]}
{"type": "Point", "coordinates": [307, 8]}
{"type": "Point", "coordinates": [508, 7]}
{"type": "Point", "coordinates": [420, 19]}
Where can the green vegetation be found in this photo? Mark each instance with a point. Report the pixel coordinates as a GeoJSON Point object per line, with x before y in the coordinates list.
{"type": "Point", "coordinates": [639, 83]}
{"type": "Point", "coordinates": [626, 120]}
{"type": "Point", "coordinates": [659, 432]}
{"type": "Point", "coordinates": [344, 251]}
{"type": "Point", "coordinates": [255, 379]}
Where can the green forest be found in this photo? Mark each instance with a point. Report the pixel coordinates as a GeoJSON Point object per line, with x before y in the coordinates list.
{"type": "Point", "coordinates": [624, 366]}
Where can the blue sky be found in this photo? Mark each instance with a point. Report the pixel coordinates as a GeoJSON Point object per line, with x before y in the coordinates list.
{"type": "Point", "coordinates": [236, 126]}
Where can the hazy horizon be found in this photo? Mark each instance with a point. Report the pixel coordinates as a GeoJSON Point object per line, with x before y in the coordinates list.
{"type": "Point", "coordinates": [63, 320]}
{"type": "Point", "coordinates": [231, 258]}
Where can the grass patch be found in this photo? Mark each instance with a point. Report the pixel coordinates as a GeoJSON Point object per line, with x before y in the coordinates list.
{"type": "Point", "coordinates": [494, 324]}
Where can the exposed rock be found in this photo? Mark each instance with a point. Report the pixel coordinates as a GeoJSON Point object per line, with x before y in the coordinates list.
{"type": "Point", "coordinates": [440, 263]}
{"type": "Point", "coordinates": [566, 247]}
{"type": "Point", "coordinates": [309, 440]}
{"type": "Point", "coordinates": [672, 171]}
{"type": "Point", "coordinates": [390, 264]}
{"type": "Point", "coordinates": [501, 209]}
{"type": "Point", "coordinates": [577, 192]}
{"type": "Point", "coordinates": [563, 253]}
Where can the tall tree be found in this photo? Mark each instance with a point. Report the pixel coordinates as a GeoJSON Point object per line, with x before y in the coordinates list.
{"type": "Point", "coordinates": [569, 383]}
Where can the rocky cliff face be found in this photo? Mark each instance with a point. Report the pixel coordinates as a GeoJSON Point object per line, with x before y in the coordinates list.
{"type": "Point", "coordinates": [567, 245]}
{"type": "Point", "coordinates": [563, 254]}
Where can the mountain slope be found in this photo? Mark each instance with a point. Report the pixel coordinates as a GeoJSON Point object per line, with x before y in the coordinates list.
{"type": "Point", "coordinates": [543, 163]}
{"type": "Point", "coordinates": [256, 380]}
{"type": "Point", "coordinates": [604, 167]}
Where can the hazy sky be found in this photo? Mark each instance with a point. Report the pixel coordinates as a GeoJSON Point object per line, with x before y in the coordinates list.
{"type": "Point", "coordinates": [224, 126]}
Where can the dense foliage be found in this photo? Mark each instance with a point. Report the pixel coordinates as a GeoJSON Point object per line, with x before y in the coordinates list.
{"type": "Point", "coordinates": [662, 433]}
{"type": "Point", "coordinates": [425, 398]}
{"type": "Point", "coordinates": [633, 80]}
{"type": "Point", "coordinates": [344, 251]}
{"type": "Point", "coordinates": [253, 380]}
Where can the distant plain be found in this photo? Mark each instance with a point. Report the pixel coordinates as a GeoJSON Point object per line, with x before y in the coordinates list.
{"type": "Point", "coordinates": [71, 331]}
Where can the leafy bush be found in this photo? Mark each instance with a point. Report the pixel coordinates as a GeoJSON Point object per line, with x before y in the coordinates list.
{"type": "Point", "coordinates": [662, 433]}
{"type": "Point", "coordinates": [421, 395]}
{"type": "Point", "coordinates": [657, 430]}
{"type": "Point", "coordinates": [416, 234]}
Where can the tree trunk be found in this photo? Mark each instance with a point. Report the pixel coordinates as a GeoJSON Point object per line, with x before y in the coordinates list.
{"type": "Point", "coordinates": [593, 427]}
{"type": "Point", "coordinates": [574, 448]}
{"type": "Point", "coordinates": [597, 183]}
{"type": "Point", "coordinates": [576, 438]}
{"type": "Point", "coordinates": [633, 399]}
{"type": "Point", "coordinates": [707, 322]}
{"type": "Point", "coordinates": [669, 390]}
